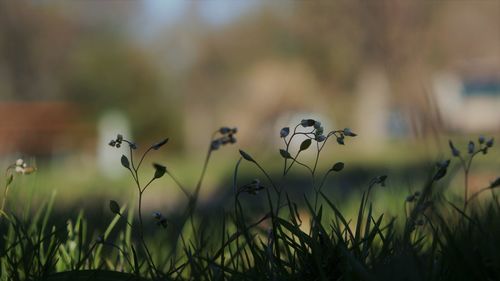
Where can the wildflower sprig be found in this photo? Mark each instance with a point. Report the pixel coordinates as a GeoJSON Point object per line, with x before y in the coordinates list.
{"type": "Point", "coordinates": [129, 164]}
{"type": "Point", "coordinates": [252, 188]}
{"type": "Point", "coordinates": [314, 133]}
{"type": "Point", "coordinates": [473, 149]}
{"type": "Point", "coordinates": [226, 136]}
{"type": "Point", "coordinates": [221, 137]}
{"type": "Point", "coordinates": [19, 167]}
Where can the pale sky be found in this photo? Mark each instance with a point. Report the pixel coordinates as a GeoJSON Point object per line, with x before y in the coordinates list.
{"type": "Point", "coordinates": [164, 12]}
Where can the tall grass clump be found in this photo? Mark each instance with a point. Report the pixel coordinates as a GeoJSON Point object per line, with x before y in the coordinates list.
{"type": "Point", "coordinates": [307, 238]}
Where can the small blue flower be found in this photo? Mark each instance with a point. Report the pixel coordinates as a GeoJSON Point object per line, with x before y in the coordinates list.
{"type": "Point", "coordinates": [157, 215]}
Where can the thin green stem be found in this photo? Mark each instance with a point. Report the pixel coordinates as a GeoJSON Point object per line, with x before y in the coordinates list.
{"type": "Point", "coordinates": [142, 158]}
{"type": "Point", "coordinates": [474, 195]}
{"type": "Point", "coordinates": [147, 185]}
{"type": "Point", "coordinates": [181, 187]}
{"type": "Point", "coordinates": [267, 176]}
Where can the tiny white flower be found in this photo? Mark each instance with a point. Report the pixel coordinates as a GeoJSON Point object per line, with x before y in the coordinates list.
{"type": "Point", "coordinates": [72, 245]}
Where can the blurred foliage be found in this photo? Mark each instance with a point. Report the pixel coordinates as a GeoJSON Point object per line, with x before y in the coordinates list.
{"type": "Point", "coordinates": [46, 55]}
{"type": "Point", "coordinates": [107, 74]}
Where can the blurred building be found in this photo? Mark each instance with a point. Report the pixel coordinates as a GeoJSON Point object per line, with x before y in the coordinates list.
{"type": "Point", "coordinates": [41, 128]}
{"type": "Point", "coordinates": [469, 98]}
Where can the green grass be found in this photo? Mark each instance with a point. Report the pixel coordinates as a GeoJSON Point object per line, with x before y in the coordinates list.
{"type": "Point", "coordinates": [278, 227]}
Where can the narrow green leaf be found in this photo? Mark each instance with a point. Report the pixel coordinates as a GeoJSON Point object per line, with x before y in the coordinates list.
{"type": "Point", "coordinates": [246, 156]}
{"type": "Point", "coordinates": [160, 144]}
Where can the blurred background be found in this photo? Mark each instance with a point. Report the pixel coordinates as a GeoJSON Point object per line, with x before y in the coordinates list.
{"type": "Point", "coordinates": [406, 76]}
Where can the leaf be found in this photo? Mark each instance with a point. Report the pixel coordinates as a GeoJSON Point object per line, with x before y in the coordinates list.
{"type": "Point", "coordinates": [305, 144]}
{"type": "Point", "coordinates": [160, 144]}
{"type": "Point", "coordinates": [285, 154]}
{"type": "Point", "coordinates": [440, 174]}
{"type": "Point", "coordinates": [495, 183]}
{"type": "Point", "coordinates": [340, 140]}
{"type": "Point", "coordinates": [337, 167]}
{"type": "Point", "coordinates": [114, 207]}
{"type": "Point", "coordinates": [125, 162]}
{"type": "Point", "coordinates": [160, 170]}
{"type": "Point", "coordinates": [489, 143]}
{"type": "Point", "coordinates": [246, 156]}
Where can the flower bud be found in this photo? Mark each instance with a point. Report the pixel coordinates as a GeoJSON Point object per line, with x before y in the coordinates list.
{"type": "Point", "coordinates": [454, 151]}
{"type": "Point", "coordinates": [349, 133]}
{"type": "Point", "coordinates": [284, 132]}
{"type": "Point", "coordinates": [320, 138]}
{"type": "Point", "coordinates": [470, 147]}
{"type": "Point", "coordinates": [307, 122]}
{"type": "Point", "coordinates": [114, 207]}
{"type": "Point", "coordinates": [215, 144]}
{"type": "Point", "coordinates": [489, 143]}
{"type": "Point", "coordinates": [224, 130]}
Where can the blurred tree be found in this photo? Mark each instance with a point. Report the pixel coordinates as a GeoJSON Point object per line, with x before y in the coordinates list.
{"type": "Point", "coordinates": [33, 51]}
{"type": "Point", "coordinates": [51, 52]}
{"type": "Point", "coordinates": [108, 73]}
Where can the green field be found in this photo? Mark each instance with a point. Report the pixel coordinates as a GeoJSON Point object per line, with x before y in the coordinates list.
{"type": "Point", "coordinates": [245, 216]}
